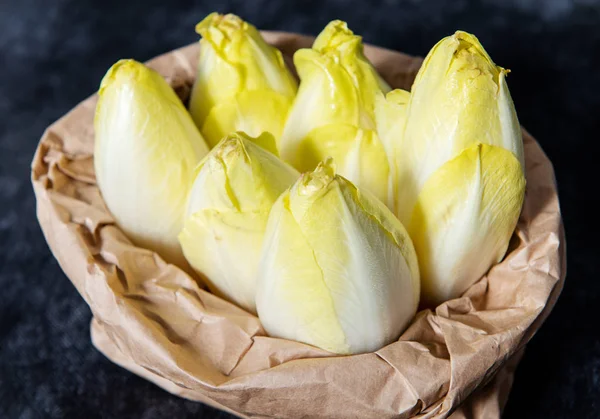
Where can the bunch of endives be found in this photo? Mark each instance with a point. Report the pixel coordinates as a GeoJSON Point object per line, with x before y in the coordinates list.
{"type": "Point", "coordinates": [338, 269]}
{"type": "Point", "coordinates": [318, 256]}
{"type": "Point", "coordinates": [232, 195]}
{"type": "Point", "coordinates": [146, 148]}
{"type": "Point", "coordinates": [458, 157]}
{"type": "Point", "coordinates": [333, 113]}
{"type": "Point", "coordinates": [242, 83]}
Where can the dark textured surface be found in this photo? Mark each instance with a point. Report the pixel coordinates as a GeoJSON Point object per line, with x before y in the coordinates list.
{"type": "Point", "coordinates": [53, 54]}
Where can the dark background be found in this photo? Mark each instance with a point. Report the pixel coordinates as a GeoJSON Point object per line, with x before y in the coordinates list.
{"type": "Point", "coordinates": [53, 55]}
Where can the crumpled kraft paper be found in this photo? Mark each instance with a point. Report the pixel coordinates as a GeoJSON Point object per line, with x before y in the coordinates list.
{"type": "Point", "coordinates": [157, 321]}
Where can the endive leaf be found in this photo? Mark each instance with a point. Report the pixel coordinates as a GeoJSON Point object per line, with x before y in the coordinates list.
{"type": "Point", "coordinates": [464, 219]}
{"type": "Point", "coordinates": [253, 112]}
{"type": "Point", "coordinates": [358, 154]}
{"type": "Point", "coordinates": [223, 247]}
{"type": "Point", "coordinates": [327, 95]}
{"type": "Point", "coordinates": [390, 119]}
{"type": "Point", "coordinates": [146, 148]}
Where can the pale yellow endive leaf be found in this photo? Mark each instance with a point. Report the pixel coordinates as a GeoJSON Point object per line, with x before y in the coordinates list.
{"type": "Point", "coordinates": [253, 112]}
{"type": "Point", "coordinates": [464, 218]}
{"type": "Point", "coordinates": [146, 148]}
{"type": "Point", "coordinates": [338, 270]}
{"type": "Point", "coordinates": [390, 119]}
{"type": "Point", "coordinates": [224, 247]}
{"type": "Point", "coordinates": [359, 155]}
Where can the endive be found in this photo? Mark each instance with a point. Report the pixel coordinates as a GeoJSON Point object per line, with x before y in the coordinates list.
{"type": "Point", "coordinates": [459, 98]}
{"type": "Point", "coordinates": [461, 177]}
{"type": "Point", "coordinates": [234, 190]}
{"type": "Point", "coordinates": [333, 113]}
{"type": "Point", "coordinates": [146, 148]}
{"type": "Point", "coordinates": [242, 83]}
{"type": "Point", "coordinates": [338, 270]}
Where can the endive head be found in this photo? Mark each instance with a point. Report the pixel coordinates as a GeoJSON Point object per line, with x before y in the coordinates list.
{"type": "Point", "coordinates": [338, 85]}
{"type": "Point", "coordinates": [234, 190]}
{"type": "Point", "coordinates": [338, 270]}
{"type": "Point", "coordinates": [146, 148]}
{"type": "Point", "coordinates": [459, 98]}
{"type": "Point", "coordinates": [235, 58]}
{"type": "Point", "coordinates": [333, 113]}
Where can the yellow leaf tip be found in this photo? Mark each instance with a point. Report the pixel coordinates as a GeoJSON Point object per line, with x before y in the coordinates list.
{"type": "Point", "coordinates": [319, 178]}
{"type": "Point", "coordinates": [231, 146]}
{"type": "Point", "coordinates": [225, 24]}
{"type": "Point", "coordinates": [337, 37]}
{"type": "Point", "coordinates": [465, 36]}
{"type": "Point", "coordinates": [123, 69]}
{"type": "Point", "coordinates": [470, 44]}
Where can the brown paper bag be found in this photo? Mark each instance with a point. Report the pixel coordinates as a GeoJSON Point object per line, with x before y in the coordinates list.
{"type": "Point", "coordinates": [155, 320]}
